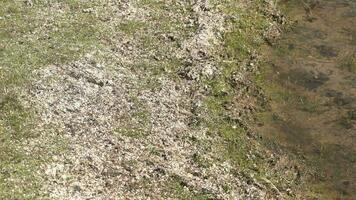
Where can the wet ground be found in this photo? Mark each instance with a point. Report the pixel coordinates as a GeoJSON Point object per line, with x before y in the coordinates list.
{"type": "Point", "coordinates": [312, 84]}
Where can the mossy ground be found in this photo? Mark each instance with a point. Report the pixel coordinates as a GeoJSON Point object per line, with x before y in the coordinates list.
{"type": "Point", "coordinates": [349, 63]}
{"type": "Point", "coordinates": [245, 37]}
{"type": "Point", "coordinates": [27, 44]}
{"type": "Point", "coordinates": [36, 34]}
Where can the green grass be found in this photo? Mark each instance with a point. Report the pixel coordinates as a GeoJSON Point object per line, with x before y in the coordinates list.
{"type": "Point", "coordinates": [27, 45]}
{"type": "Point", "coordinates": [32, 37]}
{"type": "Point", "coordinates": [18, 168]}
{"type": "Point", "coordinates": [353, 36]}
{"type": "Point", "coordinates": [245, 36]}
{"type": "Point", "coordinates": [199, 159]}
{"type": "Point", "coordinates": [162, 18]}
{"type": "Point", "coordinates": [137, 123]}
{"type": "Point", "coordinates": [17, 178]}
{"type": "Point", "coordinates": [35, 36]}
{"type": "Point", "coordinates": [349, 63]}
{"type": "Point", "coordinates": [130, 27]}
{"type": "Point", "coordinates": [180, 190]}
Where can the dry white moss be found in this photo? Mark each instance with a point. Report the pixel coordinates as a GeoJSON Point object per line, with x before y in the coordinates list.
{"type": "Point", "coordinates": [124, 138]}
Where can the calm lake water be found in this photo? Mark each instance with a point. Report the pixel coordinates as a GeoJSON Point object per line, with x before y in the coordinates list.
{"type": "Point", "coordinates": [312, 76]}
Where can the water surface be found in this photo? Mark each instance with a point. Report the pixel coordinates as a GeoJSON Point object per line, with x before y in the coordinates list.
{"type": "Point", "coordinates": [312, 76]}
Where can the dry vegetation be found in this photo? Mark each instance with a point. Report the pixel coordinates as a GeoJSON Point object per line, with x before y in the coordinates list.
{"type": "Point", "coordinates": [133, 100]}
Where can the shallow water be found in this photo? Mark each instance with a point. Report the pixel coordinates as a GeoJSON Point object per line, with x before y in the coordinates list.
{"type": "Point", "coordinates": [312, 76]}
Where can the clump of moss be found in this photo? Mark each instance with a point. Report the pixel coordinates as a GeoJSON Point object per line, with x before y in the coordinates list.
{"type": "Point", "coordinates": [244, 37]}
{"type": "Point", "coordinates": [353, 37]}
{"type": "Point", "coordinates": [26, 45]}
{"type": "Point", "coordinates": [138, 123]}
{"type": "Point", "coordinates": [180, 190]}
{"type": "Point", "coordinates": [247, 30]}
{"type": "Point", "coordinates": [130, 27]}
{"type": "Point", "coordinates": [17, 177]}
{"type": "Point", "coordinates": [349, 63]}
